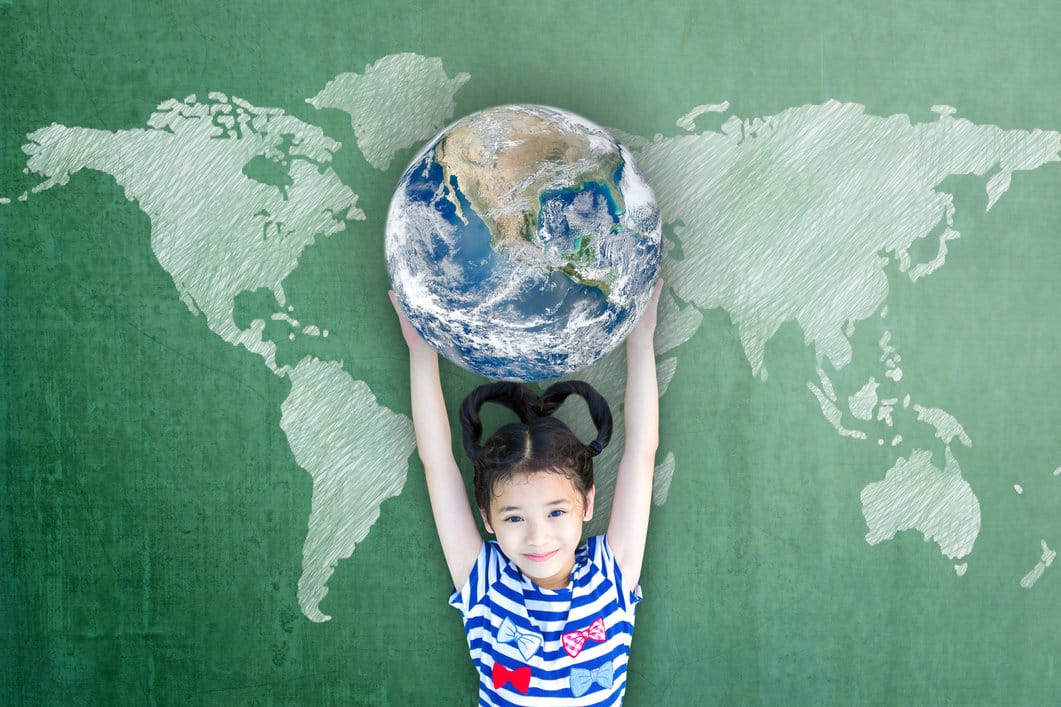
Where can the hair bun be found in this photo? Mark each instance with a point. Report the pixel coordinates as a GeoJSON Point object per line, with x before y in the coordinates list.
{"type": "Point", "coordinates": [515, 396]}
{"type": "Point", "coordinates": [528, 406]}
{"type": "Point", "coordinates": [601, 414]}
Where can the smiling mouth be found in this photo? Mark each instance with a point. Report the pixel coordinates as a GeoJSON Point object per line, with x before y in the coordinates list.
{"type": "Point", "coordinates": [542, 557]}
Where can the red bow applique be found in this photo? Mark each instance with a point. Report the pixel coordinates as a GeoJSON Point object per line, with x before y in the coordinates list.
{"type": "Point", "coordinates": [574, 641]}
{"type": "Point", "coordinates": [520, 677]}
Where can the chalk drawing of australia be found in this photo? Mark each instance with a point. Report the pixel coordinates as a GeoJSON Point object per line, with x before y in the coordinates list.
{"type": "Point", "coordinates": [771, 227]}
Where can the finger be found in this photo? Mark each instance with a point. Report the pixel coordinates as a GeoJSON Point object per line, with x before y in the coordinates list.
{"type": "Point", "coordinates": [653, 301]}
{"type": "Point", "coordinates": [394, 303]}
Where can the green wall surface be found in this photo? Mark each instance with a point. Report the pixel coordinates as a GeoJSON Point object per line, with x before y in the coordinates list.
{"type": "Point", "coordinates": [859, 471]}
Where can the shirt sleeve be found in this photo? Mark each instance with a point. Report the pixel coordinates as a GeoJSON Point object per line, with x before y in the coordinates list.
{"type": "Point", "coordinates": [601, 555]}
{"type": "Point", "coordinates": [485, 571]}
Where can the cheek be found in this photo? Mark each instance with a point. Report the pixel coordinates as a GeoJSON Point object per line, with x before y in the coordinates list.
{"type": "Point", "coordinates": [506, 530]}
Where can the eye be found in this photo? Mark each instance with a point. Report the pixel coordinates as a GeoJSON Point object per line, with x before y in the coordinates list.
{"type": "Point", "coordinates": [514, 519]}
{"type": "Point", "coordinates": [557, 513]}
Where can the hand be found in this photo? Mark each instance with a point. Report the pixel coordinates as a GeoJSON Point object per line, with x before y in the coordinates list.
{"type": "Point", "coordinates": [412, 337]}
{"type": "Point", "coordinates": [645, 328]}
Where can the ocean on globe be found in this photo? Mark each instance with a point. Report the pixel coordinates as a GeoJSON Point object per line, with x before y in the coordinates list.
{"type": "Point", "coordinates": [523, 242]}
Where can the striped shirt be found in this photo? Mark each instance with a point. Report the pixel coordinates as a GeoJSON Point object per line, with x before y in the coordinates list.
{"type": "Point", "coordinates": [534, 646]}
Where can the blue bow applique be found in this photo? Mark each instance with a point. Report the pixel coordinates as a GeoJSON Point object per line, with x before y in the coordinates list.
{"type": "Point", "coordinates": [582, 680]}
{"type": "Point", "coordinates": [527, 642]}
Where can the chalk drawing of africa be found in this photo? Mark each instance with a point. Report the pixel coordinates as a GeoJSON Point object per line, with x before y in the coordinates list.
{"type": "Point", "coordinates": [783, 218]}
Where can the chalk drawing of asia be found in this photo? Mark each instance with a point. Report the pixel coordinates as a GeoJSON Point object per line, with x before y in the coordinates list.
{"type": "Point", "coordinates": [775, 219]}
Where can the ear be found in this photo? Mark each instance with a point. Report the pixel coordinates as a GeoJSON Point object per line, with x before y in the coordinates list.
{"type": "Point", "coordinates": [486, 521]}
{"type": "Point", "coordinates": [589, 503]}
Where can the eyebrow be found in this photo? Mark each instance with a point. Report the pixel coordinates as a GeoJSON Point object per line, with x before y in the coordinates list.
{"type": "Point", "coordinates": [557, 502]}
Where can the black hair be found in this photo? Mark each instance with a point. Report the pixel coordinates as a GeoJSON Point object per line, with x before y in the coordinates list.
{"type": "Point", "coordinates": [538, 442]}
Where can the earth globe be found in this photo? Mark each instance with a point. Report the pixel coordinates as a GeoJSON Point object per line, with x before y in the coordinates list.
{"type": "Point", "coordinates": [523, 243]}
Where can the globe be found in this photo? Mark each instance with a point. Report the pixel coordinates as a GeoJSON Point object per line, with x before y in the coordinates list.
{"type": "Point", "coordinates": [523, 242]}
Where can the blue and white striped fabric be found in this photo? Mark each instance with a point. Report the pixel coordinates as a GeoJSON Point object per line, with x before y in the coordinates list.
{"type": "Point", "coordinates": [534, 646]}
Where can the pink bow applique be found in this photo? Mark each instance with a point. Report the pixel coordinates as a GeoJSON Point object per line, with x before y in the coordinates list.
{"type": "Point", "coordinates": [574, 640]}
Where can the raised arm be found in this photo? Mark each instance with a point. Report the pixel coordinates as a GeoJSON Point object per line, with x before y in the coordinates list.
{"type": "Point", "coordinates": [460, 538]}
{"type": "Point", "coordinates": [628, 524]}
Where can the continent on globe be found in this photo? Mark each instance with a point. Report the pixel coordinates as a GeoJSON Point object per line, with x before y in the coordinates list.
{"type": "Point", "coordinates": [523, 242]}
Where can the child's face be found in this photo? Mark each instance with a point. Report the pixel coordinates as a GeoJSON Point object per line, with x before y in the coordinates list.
{"type": "Point", "coordinates": [537, 519]}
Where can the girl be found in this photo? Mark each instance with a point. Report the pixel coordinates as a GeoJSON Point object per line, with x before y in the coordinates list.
{"type": "Point", "coordinates": [548, 622]}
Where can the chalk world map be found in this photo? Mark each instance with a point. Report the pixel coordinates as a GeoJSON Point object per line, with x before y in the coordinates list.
{"type": "Point", "coordinates": [786, 218]}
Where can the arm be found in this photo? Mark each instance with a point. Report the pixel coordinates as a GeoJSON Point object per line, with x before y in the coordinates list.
{"type": "Point", "coordinates": [460, 538]}
{"type": "Point", "coordinates": [628, 524]}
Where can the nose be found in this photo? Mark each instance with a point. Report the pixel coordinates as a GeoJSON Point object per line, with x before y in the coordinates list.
{"type": "Point", "coordinates": [537, 533]}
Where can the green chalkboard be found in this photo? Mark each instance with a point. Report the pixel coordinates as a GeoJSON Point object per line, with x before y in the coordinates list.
{"type": "Point", "coordinates": [209, 488]}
